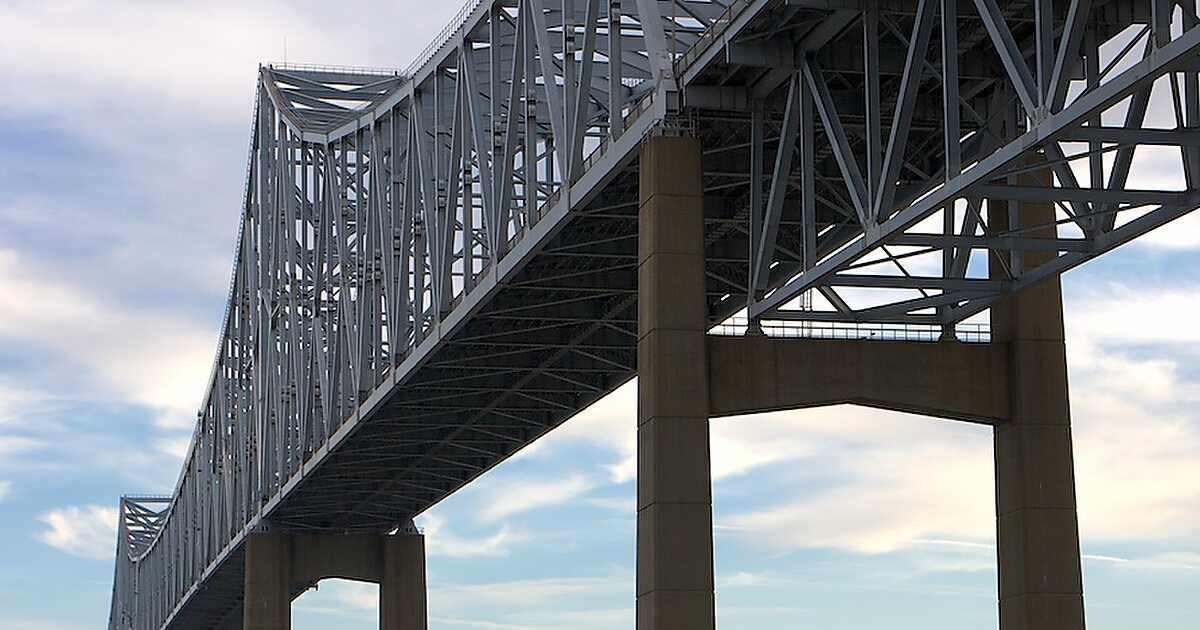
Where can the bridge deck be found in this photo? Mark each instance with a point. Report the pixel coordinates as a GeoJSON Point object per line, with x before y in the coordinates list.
{"type": "Point", "coordinates": [439, 266]}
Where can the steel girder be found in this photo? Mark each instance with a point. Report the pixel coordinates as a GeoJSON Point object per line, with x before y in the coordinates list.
{"type": "Point", "coordinates": [437, 266]}
{"type": "Point", "coordinates": [898, 134]}
{"type": "Point", "coordinates": [427, 279]}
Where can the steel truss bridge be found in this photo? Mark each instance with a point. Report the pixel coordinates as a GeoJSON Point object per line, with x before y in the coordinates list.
{"type": "Point", "coordinates": [437, 266]}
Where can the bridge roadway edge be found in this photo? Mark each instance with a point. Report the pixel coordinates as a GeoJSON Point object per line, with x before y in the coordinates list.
{"type": "Point", "coordinates": [1035, 585]}
{"type": "Point", "coordinates": [1026, 406]}
{"type": "Point", "coordinates": [1017, 383]}
{"type": "Point", "coordinates": [225, 574]}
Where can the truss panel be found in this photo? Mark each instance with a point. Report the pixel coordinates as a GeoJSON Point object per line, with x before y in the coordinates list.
{"type": "Point", "coordinates": [436, 266]}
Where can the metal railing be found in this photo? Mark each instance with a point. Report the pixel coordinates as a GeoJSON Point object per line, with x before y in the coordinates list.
{"type": "Point", "coordinates": [738, 326]}
{"type": "Point", "coordinates": [442, 37]}
{"type": "Point", "coordinates": [710, 35]}
{"type": "Point", "coordinates": [286, 66]}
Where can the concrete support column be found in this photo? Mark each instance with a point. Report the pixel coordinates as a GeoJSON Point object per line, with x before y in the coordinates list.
{"type": "Point", "coordinates": [1037, 530]}
{"type": "Point", "coordinates": [280, 565]}
{"type": "Point", "coordinates": [268, 598]}
{"type": "Point", "coordinates": [674, 537]}
{"type": "Point", "coordinates": [402, 603]}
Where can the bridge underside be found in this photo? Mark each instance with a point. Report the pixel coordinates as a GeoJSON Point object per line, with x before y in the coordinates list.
{"type": "Point", "coordinates": [560, 331]}
{"type": "Point", "coordinates": [387, 342]}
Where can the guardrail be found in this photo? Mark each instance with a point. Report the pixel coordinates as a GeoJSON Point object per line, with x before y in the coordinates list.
{"type": "Point", "coordinates": [334, 69]}
{"type": "Point", "coordinates": [442, 37]}
{"type": "Point", "coordinates": [738, 326]}
{"type": "Point", "coordinates": [710, 35]}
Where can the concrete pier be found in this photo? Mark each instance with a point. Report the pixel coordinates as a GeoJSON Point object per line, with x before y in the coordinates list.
{"type": "Point", "coordinates": [280, 566]}
{"type": "Point", "coordinates": [402, 600]}
{"type": "Point", "coordinates": [1037, 529]}
{"type": "Point", "coordinates": [1017, 383]}
{"type": "Point", "coordinates": [268, 601]}
{"type": "Point", "coordinates": [674, 521]}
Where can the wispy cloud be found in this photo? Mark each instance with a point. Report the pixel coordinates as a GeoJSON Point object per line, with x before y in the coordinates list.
{"type": "Point", "coordinates": [1137, 447]}
{"type": "Point", "coordinates": [875, 482]}
{"type": "Point", "coordinates": [335, 597]}
{"type": "Point", "coordinates": [38, 624]}
{"type": "Point", "coordinates": [157, 358]}
{"type": "Point", "coordinates": [880, 496]}
{"type": "Point", "coordinates": [609, 424]}
{"type": "Point", "coordinates": [17, 400]}
{"type": "Point", "coordinates": [1179, 235]}
{"type": "Point", "coordinates": [176, 446]}
{"type": "Point", "coordinates": [533, 591]}
{"type": "Point", "coordinates": [440, 541]}
{"type": "Point", "coordinates": [1119, 313]}
{"type": "Point", "coordinates": [577, 619]}
{"type": "Point", "coordinates": [99, 53]}
{"type": "Point", "coordinates": [760, 581]}
{"type": "Point", "coordinates": [1175, 561]}
{"type": "Point", "coordinates": [511, 496]}
{"type": "Point", "coordinates": [106, 294]}
{"type": "Point", "coordinates": [13, 446]}
{"type": "Point", "coordinates": [1137, 444]}
{"type": "Point", "coordinates": [88, 531]}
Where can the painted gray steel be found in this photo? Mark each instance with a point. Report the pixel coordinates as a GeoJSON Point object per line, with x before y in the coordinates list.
{"type": "Point", "coordinates": [438, 265]}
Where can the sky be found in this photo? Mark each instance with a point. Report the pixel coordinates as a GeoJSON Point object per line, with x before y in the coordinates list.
{"type": "Point", "coordinates": [123, 137]}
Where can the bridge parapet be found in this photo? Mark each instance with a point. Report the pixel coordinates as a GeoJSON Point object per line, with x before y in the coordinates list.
{"type": "Point", "coordinates": [141, 519]}
{"type": "Point", "coordinates": [438, 266]}
{"type": "Point", "coordinates": [878, 331]}
{"type": "Point", "coordinates": [383, 211]}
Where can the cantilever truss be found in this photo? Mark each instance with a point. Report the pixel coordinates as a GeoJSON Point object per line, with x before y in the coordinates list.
{"type": "Point", "coordinates": [891, 191]}
{"type": "Point", "coordinates": [377, 203]}
{"type": "Point", "coordinates": [437, 266]}
{"type": "Point", "coordinates": [141, 520]}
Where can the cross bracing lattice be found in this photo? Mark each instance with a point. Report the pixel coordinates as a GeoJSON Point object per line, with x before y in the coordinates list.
{"type": "Point", "coordinates": [438, 265]}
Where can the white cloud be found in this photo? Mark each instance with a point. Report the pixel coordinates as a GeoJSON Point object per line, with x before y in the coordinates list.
{"type": "Point", "coordinates": [534, 591]}
{"type": "Point", "coordinates": [533, 604]}
{"type": "Point", "coordinates": [440, 541]}
{"type": "Point", "coordinates": [509, 496]}
{"type": "Point", "coordinates": [156, 172]}
{"type": "Point", "coordinates": [1116, 313]}
{"type": "Point", "coordinates": [16, 399]}
{"type": "Point", "coordinates": [101, 54]}
{"type": "Point", "coordinates": [1179, 235]}
{"type": "Point", "coordinates": [12, 446]}
{"type": "Point", "coordinates": [1137, 455]}
{"type": "Point", "coordinates": [340, 598]}
{"type": "Point", "coordinates": [153, 357]}
{"type": "Point", "coordinates": [878, 482]}
{"type": "Point", "coordinates": [175, 446]}
{"type": "Point", "coordinates": [133, 68]}
{"type": "Point", "coordinates": [577, 618]}
{"type": "Point", "coordinates": [610, 424]}
{"type": "Point", "coordinates": [53, 442]}
{"type": "Point", "coordinates": [360, 595]}
{"type": "Point", "coordinates": [742, 445]}
{"type": "Point", "coordinates": [884, 494]}
{"type": "Point", "coordinates": [1137, 444]}
{"type": "Point", "coordinates": [37, 624]}
{"type": "Point", "coordinates": [88, 531]}
{"type": "Point", "coordinates": [750, 579]}
{"type": "Point", "coordinates": [1177, 561]}
{"type": "Point", "coordinates": [4, 488]}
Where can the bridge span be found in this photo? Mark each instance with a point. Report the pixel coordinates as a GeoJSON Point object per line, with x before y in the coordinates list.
{"type": "Point", "coordinates": [437, 266]}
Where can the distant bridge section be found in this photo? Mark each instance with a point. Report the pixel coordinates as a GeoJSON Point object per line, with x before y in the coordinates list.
{"type": "Point", "coordinates": [437, 266]}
